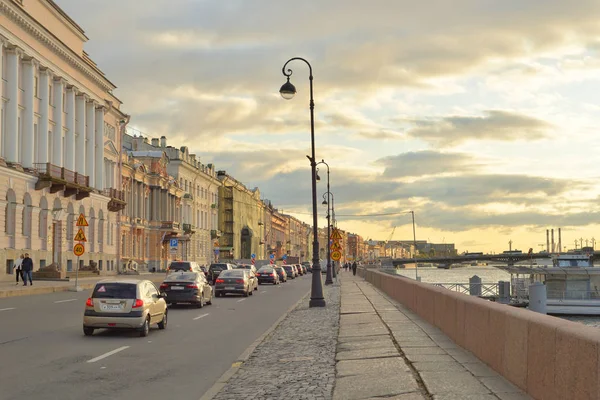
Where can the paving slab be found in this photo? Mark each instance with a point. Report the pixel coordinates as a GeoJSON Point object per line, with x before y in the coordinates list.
{"type": "Point", "coordinates": [405, 396]}
{"type": "Point", "coordinates": [429, 357]}
{"type": "Point", "coordinates": [424, 350]}
{"type": "Point", "coordinates": [437, 366]}
{"type": "Point", "coordinates": [367, 353]}
{"type": "Point", "coordinates": [455, 396]}
{"type": "Point", "coordinates": [499, 384]}
{"type": "Point", "coordinates": [479, 369]}
{"type": "Point", "coordinates": [388, 367]}
{"type": "Point", "coordinates": [462, 382]}
{"type": "Point", "coordinates": [350, 388]}
{"type": "Point", "coordinates": [367, 344]}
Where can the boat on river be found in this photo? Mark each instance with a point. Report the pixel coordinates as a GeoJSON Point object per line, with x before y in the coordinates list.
{"type": "Point", "coordinates": [572, 283]}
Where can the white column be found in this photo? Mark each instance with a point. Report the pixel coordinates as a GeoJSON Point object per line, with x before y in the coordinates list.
{"type": "Point", "coordinates": [2, 45]}
{"type": "Point", "coordinates": [80, 133]}
{"type": "Point", "coordinates": [57, 117]}
{"type": "Point", "coordinates": [42, 150]}
{"type": "Point", "coordinates": [99, 153]}
{"type": "Point", "coordinates": [27, 148]}
{"type": "Point", "coordinates": [12, 106]}
{"type": "Point", "coordinates": [89, 144]}
{"type": "Point", "coordinates": [70, 134]}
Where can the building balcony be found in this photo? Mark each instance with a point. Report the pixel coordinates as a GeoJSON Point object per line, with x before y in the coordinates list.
{"type": "Point", "coordinates": [189, 228]}
{"type": "Point", "coordinates": [188, 196]}
{"type": "Point", "coordinates": [170, 225]}
{"type": "Point", "coordinates": [58, 178]}
{"type": "Point", "coordinates": [117, 199]}
{"type": "Point", "coordinates": [214, 234]}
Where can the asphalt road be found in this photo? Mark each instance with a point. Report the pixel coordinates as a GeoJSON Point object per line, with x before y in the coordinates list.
{"type": "Point", "coordinates": [44, 354]}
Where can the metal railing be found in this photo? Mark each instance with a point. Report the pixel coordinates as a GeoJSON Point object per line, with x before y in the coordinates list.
{"type": "Point", "coordinates": [52, 171]}
{"type": "Point", "coordinates": [573, 295]}
{"type": "Point", "coordinates": [169, 225]}
{"type": "Point", "coordinates": [114, 194]}
{"type": "Point", "coordinates": [487, 289]}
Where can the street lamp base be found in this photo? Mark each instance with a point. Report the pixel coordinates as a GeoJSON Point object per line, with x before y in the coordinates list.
{"type": "Point", "coordinates": [76, 289]}
{"type": "Point", "coordinates": [316, 303]}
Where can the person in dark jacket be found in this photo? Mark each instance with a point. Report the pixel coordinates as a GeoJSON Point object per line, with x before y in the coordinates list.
{"type": "Point", "coordinates": [354, 268]}
{"type": "Point", "coordinates": [27, 267]}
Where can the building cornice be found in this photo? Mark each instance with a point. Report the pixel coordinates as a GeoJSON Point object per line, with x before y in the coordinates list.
{"type": "Point", "coordinates": [55, 45]}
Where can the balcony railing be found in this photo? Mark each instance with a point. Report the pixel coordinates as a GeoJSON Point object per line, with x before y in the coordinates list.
{"type": "Point", "coordinates": [169, 225]}
{"type": "Point", "coordinates": [188, 228]}
{"type": "Point", "coordinates": [117, 199]}
{"type": "Point", "coordinates": [214, 234]}
{"type": "Point", "coordinates": [59, 178]}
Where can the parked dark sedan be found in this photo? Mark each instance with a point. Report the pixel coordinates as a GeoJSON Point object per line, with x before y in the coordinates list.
{"type": "Point", "coordinates": [282, 274]}
{"type": "Point", "coordinates": [215, 269]}
{"type": "Point", "coordinates": [289, 270]}
{"type": "Point", "coordinates": [234, 281]}
{"type": "Point", "coordinates": [187, 287]}
{"type": "Point", "coordinates": [267, 275]}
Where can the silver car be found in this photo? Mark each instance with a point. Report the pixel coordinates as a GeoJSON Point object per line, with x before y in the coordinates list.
{"type": "Point", "coordinates": [125, 304]}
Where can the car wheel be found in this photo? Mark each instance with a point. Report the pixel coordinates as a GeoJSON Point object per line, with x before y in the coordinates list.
{"type": "Point", "coordinates": [251, 292]}
{"type": "Point", "coordinates": [88, 331]}
{"type": "Point", "coordinates": [260, 283]}
{"type": "Point", "coordinates": [209, 302]}
{"type": "Point", "coordinates": [163, 324]}
{"type": "Point", "coordinates": [145, 329]}
{"type": "Point", "coordinates": [256, 288]}
{"type": "Point", "coordinates": [200, 304]}
{"type": "Point", "coordinates": [246, 294]}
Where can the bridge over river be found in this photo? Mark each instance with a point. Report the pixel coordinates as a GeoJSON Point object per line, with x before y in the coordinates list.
{"type": "Point", "coordinates": [505, 258]}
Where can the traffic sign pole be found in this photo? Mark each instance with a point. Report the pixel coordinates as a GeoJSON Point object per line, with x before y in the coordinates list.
{"type": "Point", "coordinates": [79, 248]}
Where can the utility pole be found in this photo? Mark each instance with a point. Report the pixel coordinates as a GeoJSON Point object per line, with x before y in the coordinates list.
{"type": "Point", "coordinates": [510, 245]}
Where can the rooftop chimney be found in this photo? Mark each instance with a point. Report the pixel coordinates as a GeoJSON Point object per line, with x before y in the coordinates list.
{"type": "Point", "coordinates": [552, 235]}
{"type": "Point", "coordinates": [559, 241]}
{"type": "Point", "coordinates": [155, 142]}
{"type": "Point", "coordinates": [163, 141]}
{"type": "Point", "coordinates": [547, 241]}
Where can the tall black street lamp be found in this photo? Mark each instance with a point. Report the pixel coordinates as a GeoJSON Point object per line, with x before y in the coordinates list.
{"type": "Point", "coordinates": [329, 278]}
{"type": "Point", "coordinates": [330, 223]}
{"type": "Point", "coordinates": [288, 91]}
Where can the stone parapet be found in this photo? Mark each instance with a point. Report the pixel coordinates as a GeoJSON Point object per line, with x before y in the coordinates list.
{"type": "Point", "coordinates": [545, 356]}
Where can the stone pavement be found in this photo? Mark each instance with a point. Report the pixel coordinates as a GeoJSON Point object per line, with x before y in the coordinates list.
{"type": "Point", "coordinates": [296, 361]}
{"type": "Point", "coordinates": [386, 351]}
{"type": "Point", "coordinates": [10, 289]}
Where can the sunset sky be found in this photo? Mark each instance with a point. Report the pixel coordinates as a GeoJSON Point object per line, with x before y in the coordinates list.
{"type": "Point", "coordinates": [481, 116]}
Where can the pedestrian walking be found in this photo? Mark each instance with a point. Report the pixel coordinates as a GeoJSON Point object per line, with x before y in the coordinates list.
{"type": "Point", "coordinates": [354, 268]}
{"type": "Point", "coordinates": [18, 268]}
{"type": "Point", "coordinates": [27, 267]}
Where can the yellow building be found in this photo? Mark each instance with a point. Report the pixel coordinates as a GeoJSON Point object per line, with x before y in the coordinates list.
{"type": "Point", "coordinates": [241, 214]}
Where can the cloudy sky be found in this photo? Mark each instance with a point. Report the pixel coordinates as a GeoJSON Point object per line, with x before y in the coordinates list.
{"type": "Point", "coordinates": [482, 116]}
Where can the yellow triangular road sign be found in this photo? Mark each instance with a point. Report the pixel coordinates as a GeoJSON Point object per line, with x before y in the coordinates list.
{"type": "Point", "coordinates": [335, 246]}
{"type": "Point", "coordinates": [80, 237]}
{"type": "Point", "coordinates": [81, 221]}
{"type": "Point", "coordinates": [336, 235]}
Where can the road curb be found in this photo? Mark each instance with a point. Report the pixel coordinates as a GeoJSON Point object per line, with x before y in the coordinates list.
{"type": "Point", "coordinates": [52, 289]}
{"type": "Point", "coordinates": [223, 379]}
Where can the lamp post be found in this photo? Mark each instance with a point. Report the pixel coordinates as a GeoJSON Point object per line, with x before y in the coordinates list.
{"type": "Point", "coordinates": [415, 244]}
{"type": "Point", "coordinates": [288, 91]}
{"type": "Point", "coordinates": [330, 222]}
{"type": "Point", "coordinates": [329, 276]}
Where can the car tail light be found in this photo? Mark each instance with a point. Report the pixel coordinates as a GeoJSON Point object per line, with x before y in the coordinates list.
{"type": "Point", "coordinates": [138, 303]}
{"type": "Point", "coordinates": [220, 281]}
{"type": "Point", "coordinates": [89, 302]}
{"type": "Point", "coordinates": [192, 286]}
{"type": "Point", "coordinates": [239, 281]}
{"type": "Point", "coordinates": [164, 286]}
{"type": "Point", "coordinates": [257, 274]}
{"type": "Point", "coordinates": [272, 274]}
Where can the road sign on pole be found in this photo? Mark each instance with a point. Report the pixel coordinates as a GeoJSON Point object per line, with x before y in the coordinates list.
{"type": "Point", "coordinates": [78, 250]}
{"type": "Point", "coordinates": [81, 221]}
{"type": "Point", "coordinates": [336, 255]}
{"type": "Point", "coordinates": [80, 237]}
{"type": "Point", "coordinates": [253, 256]}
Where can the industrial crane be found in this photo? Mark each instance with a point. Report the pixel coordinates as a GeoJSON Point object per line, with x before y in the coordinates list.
{"type": "Point", "coordinates": [387, 242]}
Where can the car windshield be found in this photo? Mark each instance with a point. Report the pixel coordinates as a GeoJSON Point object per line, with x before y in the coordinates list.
{"type": "Point", "coordinates": [288, 268]}
{"type": "Point", "coordinates": [231, 272]}
{"type": "Point", "coordinates": [265, 270]}
{"type": "Point", "coordinates": [115, 291]}
{"type": "Point", "coordinates": [218, 267]}
{"type": "Point", "coordinates": [188, 276]}
{"type": "Point", "coordinates": [180, 265]}
{"type": "Point", "coordinates": [245, 266]}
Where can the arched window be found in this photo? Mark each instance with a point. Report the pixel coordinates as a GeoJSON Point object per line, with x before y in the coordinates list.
{"type": "Point", "coordinates": [11, 210]}
{"type": "Point", "coordinates": [27, 211]}
{"type": "Point", "coordinates": [100, 227]}
{"type": "Point", "coordinates": [43, 227]}
{"type": "Point", "coordinates": [70, 221]}
{"type": "Point", "coordinates": [92, 227]}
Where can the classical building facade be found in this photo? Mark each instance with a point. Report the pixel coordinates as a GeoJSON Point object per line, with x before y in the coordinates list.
{"type": "Point", "coordinates": [189, 191]}
{"type": "Point", "coordinates": [60, 128]}
{"type": "Point", "coordinates": [241, 223]}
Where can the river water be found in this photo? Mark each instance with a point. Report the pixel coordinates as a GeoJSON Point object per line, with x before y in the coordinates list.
{"type": "Point", "coordinates": [486, 273]}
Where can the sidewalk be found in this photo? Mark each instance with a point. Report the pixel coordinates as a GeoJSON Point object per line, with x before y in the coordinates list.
{"type": "Point", "coordinates": [10, 289]}
{"type": "Point", "coordinates": [386, 351]}
{"type": "Point", "coordinates": [374, 347]}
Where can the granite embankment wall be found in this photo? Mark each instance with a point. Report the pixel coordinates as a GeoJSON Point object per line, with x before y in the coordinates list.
{"type": "Point", "coordinates": [548, 357]}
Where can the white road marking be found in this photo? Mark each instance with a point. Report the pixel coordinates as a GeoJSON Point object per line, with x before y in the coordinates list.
{"type": "Point", "coordinates": [240, 300]}
{"type": "Point", "coordinates": [7, 309]}
{"type": "Point", "coordinates": [102, 367]}
{"type": "Point", "coordinates": [264, 291]}
{"type": "Point", "coordinates": [200, 316]}
{"type": "Point", "coordinates": [110, 353]}
{"type": "Point", "coordinates": [65, 301]}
